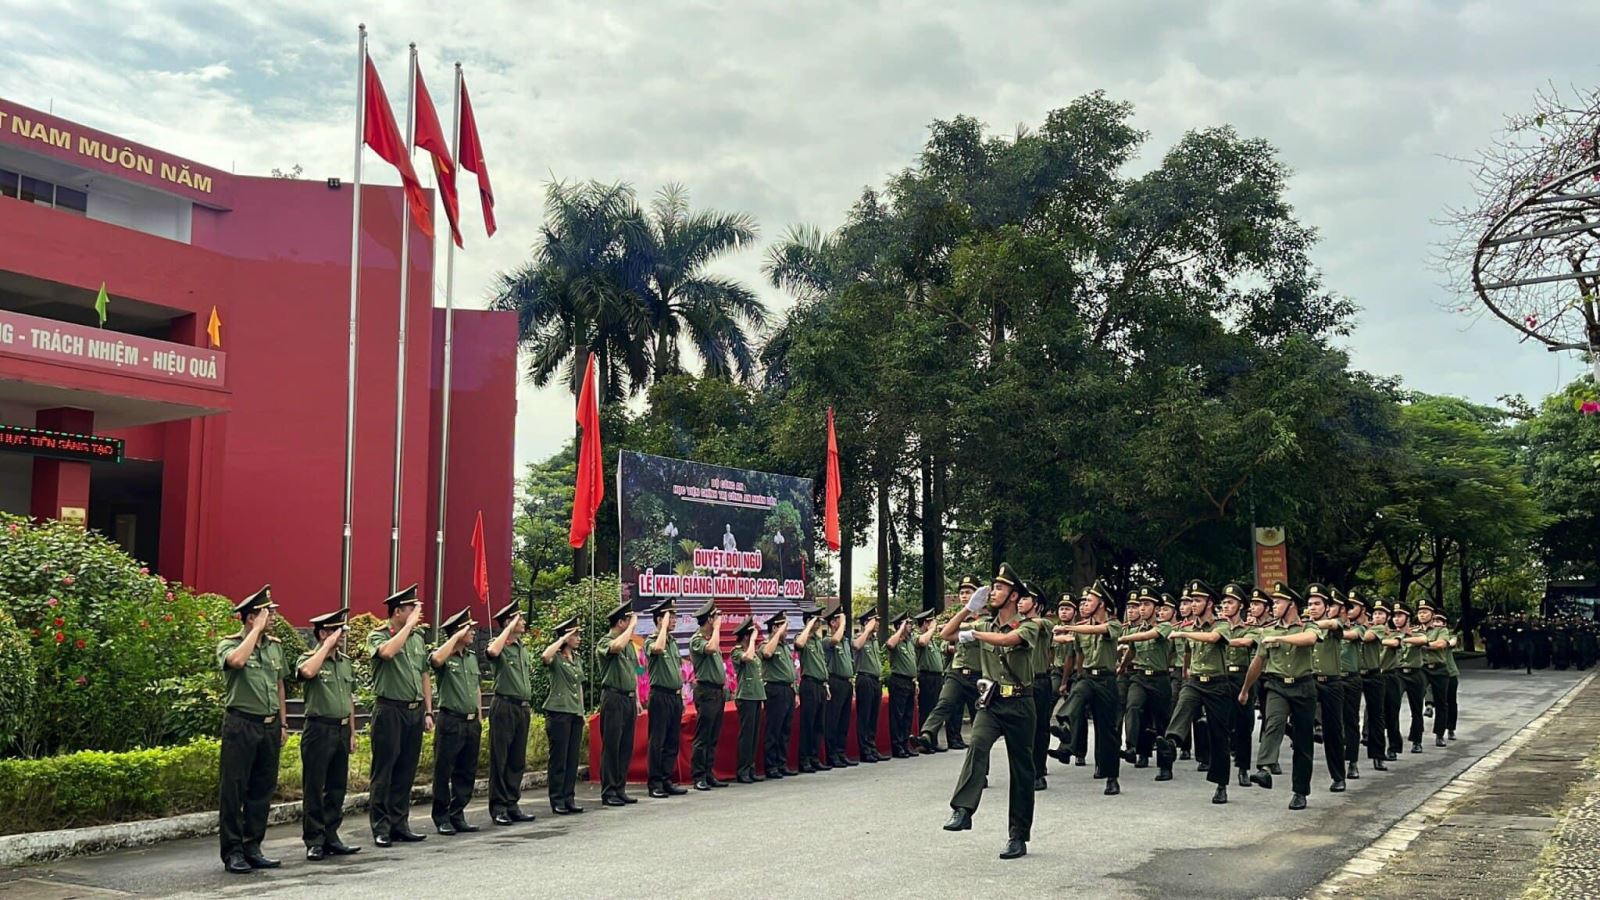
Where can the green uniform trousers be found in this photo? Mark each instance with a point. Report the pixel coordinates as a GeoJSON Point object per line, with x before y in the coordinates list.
{"type": "Point", "coordinates": [1074, 711]}
{"type": "Point", "coordinates": [1413, 684]}
{"type": "Point", "coordinates": [249, 774]}
{"type": "Point", "coordinates": [1444, 699]}
{"type": "Point", "coordinates": [1101, 701]}
{"type": "Point", "coordinates": [1216, 697]}
{"type": "Point", "coordinates": [1291, 707]}
{"type": "Point", "coordinates": [957, 689]}
{"type": "Point", "coordinates": [1149, 708]}
{"type": "Point", "coordinates": [1013, 719]}
{"type": "Point", "coordinates": [325, 772]}
{"type": "Point", "coordinates": [508, 753]}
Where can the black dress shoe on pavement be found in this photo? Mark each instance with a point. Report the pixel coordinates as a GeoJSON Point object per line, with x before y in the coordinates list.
{"type": "Point", "coordinates": [772, 775]}
{"type": "Point", "coordinates": [1098, 773]}
{"type": "Point", "coordinates": [1353, 772]}
{"type": "Point", "coordinates": [1204, 766]}
{"type": "Point", "coordinates": [560, 809]}
{"type": "Point", "coordinates": [444, 828]}
{"type": "Point", "coordinates": [958, 745]}
{"type": "Point", "coordinates": [516, 815]}
{"type": "Point", "coordinates": [1391, 756]}
{"type": "Point", "coordinates": [716, 782]}
{"type": "Point", "coordinates": [744, 778]}
{"type": "Point", "coordinates": [503, 820]}
{"type": "Point", "coordinates": [630, 800]}
{"type": "Point", "coordinates": [1164, 774]}
{"type": "Point", "coordinates": [1298, 801]}
{"type": "Point", "coordinates": [1378, 766]}
{"type": "Point", "coordinates": [658, 793]}
{"type": "Point", "coordinates": [1416, 746]}
{"type": "Point", "coordinates": [408, 836]}
{"type": "Point", "coordinates": [1337, 787]}
{"type": "Point", "coordinates": [1129, 755]}
{"type": "Point", "coordinates": [1262, 777]}
{"type": "Point", "coordinates": [1438, 741]}
{"type": "Point", "coordinates": [1244, 778]}
{"type": "Point", "coordinates": [807, 768]}
{"type": "Point", "coordinates": [822, 766]}
{"type": "Point", "coordinates": [1452, 735]}
{"type": "Point", "coordinates": [315, 854]}
{"type": "Point", "coordinates": [1221, 796]}
{"type": "Point", "coordinates": [675, 791]}
{"type": "Point", "coordinates": [461, 826]}
{"type": "Point", "coordinates": [1079, 761]}
{"type": "Point", "coordinates": [1142, 762]}
{"type": "Point", "coordinates": [870, 759]}
{"type": "Point", "coordinates": [257, 861]}
{"type": "Point", "coordinates": [608, 801]}
{"type": "Point", "coordinates": [237, 866]}
{"type": "Point", "coordinates": [787, 773]}
{"type": "Point", "coordinates": [702, 786]}
{"type": "Point", "coordinates": [1112, 788]}
{"type": "Point", "coordinates": [1039, 784]}
{"type": "Point", "coordinates": [1184, 754]}
{"type": "Point", "coordinates": [960, 820]}
{"type": "Point", "coordinates": [339, 848]}
{"type": "Point", "coordinates": [938, 749]}
{"type": "Point", "coordinates": [1275, 769]}
{"type": "Point", "coordinates": [573, 808]}
{"type": "Point", "coordinates": [1014, 848]}
{"type": "Point", "coordinates": [382, 840]}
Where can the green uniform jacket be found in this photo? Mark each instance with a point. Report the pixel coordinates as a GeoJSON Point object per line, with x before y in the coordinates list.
{"type": "Point", "coordinates": [749, 672]}
{"type": "Point", "coordinates": [1209, 659]}
{"type": "Point", "coordinates": [1042, 648]}
{"type": "Point", "coordinates": [967, 655]}
{"type": "Point", "coordinates": [400, 676]}
{"type": "Point", "coordinates": [1008, 665]}
{"type": "Point", "coordinates": [253, 688]}
{"type": "Point", "coordinates": [707, 662]}
{"type": "Point", "coordinates": [1100, 650]}
{"type": "Point", "coordinates": [1350, 650]}
{"type": "Point", "coordinates": [1284, 660]}
{"type": "Point", "coordinates": [779, 667]}
{"type": "Point", "coordinates": [328, 696]}
{"type": "Point", "coordinates": [1325, 654]}
{"type": "Point", "coordinates": [1430, 656]}
{"type": "Point", "coordinates": [1372, 651]}
{"type": "Point", "coordinates": [457, 683]}
{"type": "Point", "coordinates": [511, 676]}
{"type": "Point", "coordinates": [1410, 654]}
{"type": "Point", "coordinates": [665, 671]}
{"type": "Point", "coordinates": [870, 661]}
{"type": "Point", "coordinates": [903, 657]}
{"type": "Point", "coordinates": [617, 669]}
{"type": "Point", "coordinates": [930, 656]}
{"type": "Point", "coordinates": [841, 658]}
{"type": "Point", "coordinates": [566, 685]}
{"type": "Point", "coordinates": [1450, 666]}
{"type": "Point", "coordinates": [1239, 657]}
{"type": "Point", "coordinates": [813, 658]}
{"type": "Point", "coordinates": [1156, 653]}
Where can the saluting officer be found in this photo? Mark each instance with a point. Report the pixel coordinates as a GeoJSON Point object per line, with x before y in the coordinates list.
{"type": "Point", "coordinates": [777, 676]}
{"type": "Point", "coordinates": [902, 685]}
{"type": "Point", "coordinates": [329, 736]}
{"type": "Point", "coordinates": [1098, 634]}
{"type": "Point", "coordinates": [404, 712]}
{"type": "Point", "coordinates": [813, 690]}
{"type": "Point", "coordinates": [619, 704]}
{"type": "Point", "coordinates": [960, 685]}
{"type": "Point", "coordinates": [563, 716]}
{"type": "Point", "coordinates": [1283, 653]}
{"type": "Point", "coordinates": [710, 695]}
{"type": "Point", "coordinates": [253, 671]}
{"type": "Point", "coordinates": [459, 734]}
{"type": "Point", "coordinates": [666, 703]}
{"type": "Point", "coordinates": [1005, 708]}
{"type": "Point", "coordinates": [841, 685]}
{"type": "Point", "coordinates": [508, 713]}
{"type": "Point", "coordinates": [748, 697]}
{"type": "Point", "coordinates": [930, 669]}
{"type": "Point", "coordinates": [869, 690]}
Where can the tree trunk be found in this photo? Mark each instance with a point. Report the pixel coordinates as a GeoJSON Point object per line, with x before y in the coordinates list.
{"type": "Point", "coordinates": [883, 558]}
{"type": "Point", "coordinates": [932, 534]}
{"type": "Point", "coordinates": [1406, 578]}
{"type": "Point", "coordinates": [997, 544]}
{"type": "Point", "coordinates": [1083, 562]}
{"type": "Point", "coordinates": [1468, 615]}
{"type": "Point", "coordinates": [1438, 572]}
{"type": "Point", "coordinates": [846, 540]}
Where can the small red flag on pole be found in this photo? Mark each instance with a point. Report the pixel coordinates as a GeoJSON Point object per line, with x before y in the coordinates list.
{"type": "Point", "coordinates": [591, 487]}
{"type": "Point", "coordinates": [428, 135]}
{"type": "Point", "coordinates": [480, 566]}
{"type": "Point", "coordinates": [380, 132]}
{"type": "Point", "coordinates": [830, 527]}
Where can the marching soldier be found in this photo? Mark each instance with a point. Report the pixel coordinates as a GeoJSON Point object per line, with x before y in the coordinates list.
{"type": "Point", "coordinates": [930, 670]}
{"type": "Point", "coordinates": [253, 671]}
{"type": "Point", "coordinates": [841, 684]}
{"type": "Point", "coordinates": [1350, 670]}
{"type": "Point", "coordinates": [1369, 652]}
{"type": "Point", "coordinates": [1097, 641]}
{"type": "Point", "coordinates": [329, 736]}
{"type": "Point", "coordinates": [619, 704]}
{"type": "Point", "coordinates": [1389, 674]}
{"type": "Point", "coordinates": [563, 716]}
{"type": "Point", "coordinates": [1439, 645]}
{"type": "Point", "coordinates": [1260, 616]}
{"type": "Point", "coordinates": [960, 685]}
{"type": "Point", "coordinates": [1453, 675]}
{"type": "Point", "coordinates": [777, 672]}
{"type": "Point", "coordinates": [1241, 646]}
{"type": "Point", "coordinates": [666, 703]}
{"type": "Point", "coordinates": [748, 697]}
{"type": "Point", "coordinates": [1150, 652]}
{"type": "Point", "coordinates": [710, 695]}
{"type": "Point", "coordinates": [1044, 695]}
{"type": "Point", "coordinates": [902, 685]}
{"type": "Point", "coordinates": [1284, 654]}
{"type": "Point", "coordinates": [459, 734]}
{"type": "Point", "coordinates": [1325, 674]}
{"type": "Point", "coordinates": [1207, 688]}
{"type": "Point", "coordinates": [1004, 707]}
{"type": "Point", "coordinates": [869, 693]}
{"type": "Point", "coordinates": [1063, 663]}
{"type": "Point", "coordinates": [813, 690]}
{"type": "Point", "coordinates": [404, 712]}
{"type": "Point", "coordinates": [509, 714]}
{"type": "Point", "coordinates": [1410, 668]}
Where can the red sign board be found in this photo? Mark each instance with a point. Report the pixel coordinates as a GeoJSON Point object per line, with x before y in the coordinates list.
{"type": "Point", "coordinates": [1272, 557]}
{"type": "Point", "coordinates": [84, 347]}
{"type": "Point", "coordinates": [60, 445]}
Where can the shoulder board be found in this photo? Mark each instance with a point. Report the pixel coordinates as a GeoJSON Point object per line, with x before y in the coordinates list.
{"type": "Point", "coordinates": [236, 636]}
{"type": "Point", "coordinates": [273, 639]}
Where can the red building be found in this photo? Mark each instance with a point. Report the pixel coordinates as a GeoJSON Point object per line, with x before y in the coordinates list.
{"type": "Point", "coordinates": [233, 468]}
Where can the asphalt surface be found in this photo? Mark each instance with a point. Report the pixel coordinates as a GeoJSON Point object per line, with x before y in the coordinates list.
{"type": "Point", "coordinates": [872, 830]}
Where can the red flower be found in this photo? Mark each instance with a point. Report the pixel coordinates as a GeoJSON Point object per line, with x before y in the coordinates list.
{"type": "Point", "coordinates": [167, 617]}
{"type": "Point", "coordinates": [82, 681]}
{"type": "Point", "coordinates": [67, 579]}
{"type": "Point", "coordinates": [60, 621]}
{"type": "Point", "coordinates": [143, 624]}
{"type": "Point", "coordinates": [79, 643]}
{"type": "Point", "coordinates": [35, 631]}
{"type": "Point", "coordinates": [60, 637]}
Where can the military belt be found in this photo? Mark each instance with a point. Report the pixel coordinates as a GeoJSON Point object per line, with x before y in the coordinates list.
{"type": "Point", "coordinates": [1206, 679]}
{"type": "Point", "coordinates": [253, 717]}
{"type": "Point", "coordinates": [1283, 679]}
{"type": "Point", "coordinates": [1370, 671]}
{"type": "Point", "coordinates": [514, 701]}
{"type": "Point", "coordinates": [1149, 673]}
{"type": "Point", "coordinates": [613, 690]}
{"type": "Point", "coordinates": [326, 720]}
{"type": "Point", "coordinates": [1007, 691]}
{"type": "Point", "coordinates": [399, 704]}
{"type": "Point", "coordinates": [1405, 670]}
{"type": "Point", "coordinates": [465, 717]}
{"type": "Point", "coordinates": [1324, 679]}
{"type": "Point", "coordinates": [966, 671]}
{"type": "Point", "coordinates": [1099, 671]}
{"type": "Point", "coordinates": [1236, 668]}
{"type": "Point", "coordinates": [1431, 666]}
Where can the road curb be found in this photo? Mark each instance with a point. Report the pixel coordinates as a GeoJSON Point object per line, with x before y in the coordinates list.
{"type": "Point", "coordinates": [1400, 836]}
{"type": "Point", "coordinates": [44, 846]}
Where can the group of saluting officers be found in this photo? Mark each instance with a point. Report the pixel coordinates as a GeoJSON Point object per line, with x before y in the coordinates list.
{"type": "Point", "coordinates": [1173, 676]}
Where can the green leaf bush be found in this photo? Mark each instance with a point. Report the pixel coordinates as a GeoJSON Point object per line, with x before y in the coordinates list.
{"type": "Point", "coordinates": [19, 690]}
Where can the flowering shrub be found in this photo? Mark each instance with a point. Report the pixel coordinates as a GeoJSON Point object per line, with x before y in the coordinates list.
{"type": "Point", "coordinates": [17, 697]}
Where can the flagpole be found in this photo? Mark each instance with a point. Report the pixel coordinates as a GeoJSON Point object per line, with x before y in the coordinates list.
{"type": "Point", "coordinates": [449, 336]}
{"type": "Point", "coordinates": [400, 357]}
{"type": "Point", "coordinates": [355, 292]}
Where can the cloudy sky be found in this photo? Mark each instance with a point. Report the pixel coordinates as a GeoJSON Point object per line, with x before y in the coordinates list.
{"type": "Point", "coordinates": [787, 110]}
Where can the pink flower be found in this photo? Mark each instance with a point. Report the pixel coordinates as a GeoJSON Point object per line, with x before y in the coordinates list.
{"type": "Point", "coordinates": [1590, 407]}
{"type": "Point", "coordinates": [82, 681]}
{"type": "Point", "coordinates": [52, 602]}
{"type": "Point", "coordinates": [67, 580]}
{"type": "Point", "coordinates": [13, 528]}
{"type": "Point", "coordinates": [144, 570]}
{"type": "Point", "coordinates": [170, 597]}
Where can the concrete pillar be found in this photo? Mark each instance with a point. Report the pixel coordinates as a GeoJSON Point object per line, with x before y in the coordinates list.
{"type": "Point", "coordinates": [60, 484]}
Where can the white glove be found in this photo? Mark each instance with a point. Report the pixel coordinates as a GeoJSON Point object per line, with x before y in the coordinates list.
{"type": "Point", "coordinates": [980, 599]}
{"type": "Point", "coordinates": [965, 637]}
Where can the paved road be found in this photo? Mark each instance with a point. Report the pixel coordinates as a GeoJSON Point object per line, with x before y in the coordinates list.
{"type": "Point", "coordinates": [868, 831]}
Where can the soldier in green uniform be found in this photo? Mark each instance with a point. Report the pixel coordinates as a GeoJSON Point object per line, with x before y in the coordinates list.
{"type": "Point", "coordinates": [1409, 666]}
{"type": "Point", "coordinates": [1033, 609]}
{"type": "Point", "coordinates": [459, 734]}
{"type": "Point", "coordinates": [664, 659]}
{"type": "Point", "coordinates": [1241, 646]}
{"type": "Point", "coordinates": [1132, 620]}
{"type": "Point", "coordinates": [253, 671]}
{"type": "Point", "coordinates": [619, 704]}
{"type": "Point", "coordinates": [841, 684]}
{"type": "Point", "coordinates": [329, 736]}
{"type": "Point", "coordinates": [1178, 664]}
{"type": "Point", "coordinates": [1148, 653]}
{"type": "Point", "coordinates": [1327, 676]}
{"type": "Point", "coordinates": [1452, 674]}
{"type": "Point", "coordinates": [777, 676]}
{"type": "Point", "coordinates": [1206, 688]}
{"type": "Point", "coordinates": [1064, 664]}
{"type": "Point", "coordinates": [1005, 708]}
{"type": "Point", "coordinates": [1350, 672]}
{"type": "Point", "coordinates": [509, 713]}
{"type": "Point", "coordinates": [1439, 645]}
{"type": "Point", "coordinates": [959, 687]}
{"type": "Point", "coordinates": [869, 693]}
{"type": "Point", "coordinates": [710, 695]}
{"type": "Point", "coordinates": [902, 685]}
{"type": "Point", "coordinates": [1284, 654]}
{"type": "Point", "coordinates": [404, 713]}
{"type": "Point", "coordinates": [1097, 635]}
{"type": "Point", "coordinates": [748, 698]}
{"type": "Point", "coordinates": [930, 671]}
{"type": "Point", "coordinates": [813, 690]}
{"type": "Point", "coordinates": [1259, 617]}
{"type": "Point", "coordinates": [1389, 676]}
{"type": "Point", "coordinates": [563, 716]}
{"type": "Point", "coordinates": [1369, 652]}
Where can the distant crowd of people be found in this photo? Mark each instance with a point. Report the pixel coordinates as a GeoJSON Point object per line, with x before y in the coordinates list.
{"type": "Point", "coordinates": [1560, 642]}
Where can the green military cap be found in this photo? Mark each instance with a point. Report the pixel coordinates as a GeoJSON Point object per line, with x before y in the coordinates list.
{"type": "Point", "coordinates": [458, 621]}
{"type": "Point", "coordinates": [867, 616]}
{"type": "Point", "coordinates": [777, 618]}
{"type": "Point", "coordinates": [1198, 588]}
{"type": "Point", "coordinates": [1168, 601]}
{"type": "Point", "coordinates": [1133, 595]}
{"type": "Point", "coordinates": [402, 597]}
{"type": "Point", "coordinates": [1067, 600]}
{"type": "Point", "coordinates": [1257, 595]}
{"type": "Point", "coordinates": [1099, 589]}
{"type": "Point", "coordinates": [1355, 598]}
{"type": "Point", "coordinates": [330, 621]}
{"type": "Point", "coordinates": [923, 616]}
{"type": "Point", "coordinates": [969, 581]}
{"type": "Point", "coordinates": [1235, 590]}
{"type": "Point", "coordinates": [504, 613]}
{"type": "Point", "coordinates": [1144, 595]}
{"type": "Point", "coordinates": [1425, 605]}
{"type": "Point", "coordinates": [260, 600]}
{"type": "Point", "coordinates": [566, 627]}
{"type": "Point", "coordinates": [1399, 609]}
{"type": "Point", "coordinates": [1439, 615]}
{"type": "Point", "coordinates": [662, 608]}
{"type": "Point", "coordinates": [745, 629]}
{"type": "Point", "coordinates": [1281, 591]}
{"type": "Point", "coordinates": [1335, 596]}
{"type": "Point", "coordinates": [1318, 589]}
{"type": "Point", "coordinates": [706, 610]}
{"type": "Point", "coordinates": [834, 611]}
{"type": "Point", "coordinates": [1008, 575]}
{"type": "Point", "coordinates": [619, 612]}
{"type": "Point", "coordinates": [899, 620]}
{"type": "Point", "coordinates": [807, 613]}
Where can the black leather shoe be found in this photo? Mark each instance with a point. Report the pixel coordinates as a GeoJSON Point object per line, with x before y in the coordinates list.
{"type": "Point", "coordinates": [851, 763]}
{"type": "Point", "coordinates": [744, 778]}
{"type": "Point", "coordinates": [1378, 766]}
{"type": "Point", "coordinates": [237, 866]}
{"type": "Point", "coordinates": [408, 836]}
{"type": "Point", "coordinates": [382, 840]}
{"type": "Point", "coordinates": [1183, 755]}
{"type": "Point", "coordinates": [1275, 769]}
{"type": "Point", "coordinates": [806, 768]}
{"type": "Point", "coordinates": [1204, 766]}
{"type": "Point", "coordinates": [1079, 761]}
{"type": "Point", "coordinates": [503, 820]}
{"type": "Point", "coordinates": [630, 800]}
{"type": "Point", "coordinates": [869, 759]}
{"type": "Point", "coordinates": [928, 743]}
{"type": "Point", "coordinates": [1298, 801]}
{"type": "Point", "coordinates": [715, 782]}
{"type": "Point", "coordinates": [257, 861]}
{"type": "Point", "coordinates": [958, 745]}
{"type": "Point", "coordinates": [1014, 848]}
{"type": "Point", "coordinates": [960, 820]}
{"type": "Point", "coordinates": [608, 801]}
{"type": "Point", "coordinates": [1452, 735]}
{"type": "Point", "coordinates": [1244, 778]}
{"type": "Point", "coordinates": [702, 786]}
{"type": "Point", "coordinates": [1262, 777]}
{"type": "Point", "coordinates": [1098, 773]}
{"type": "Point", "coordinates": [1438, 741]}
{"type": "Point", "coordinates": [339, 848]}
{"type": "Point", "coordinates": [1352, 772]}
{"type": "Point", "coordinates": [573, 808]}
{"type": "Point", "coordinates": [1416, 746]}
{"type": "Point", "coordinates": [444, 828]}
{"type": "Point", "coordinates": [787, 773]}
{"type": "Point", "coordinates": [1337, 787]}
{"type": "Point", "coordinates": [1112, 788]}
{"type": "Point", "coordinates": [822, 766]}
{"type": "Point", "coordinates": [1163, 774]}
{"type": "Point", "coordinates": [1142, 762]}
{"type": "Point", "coordinates": [560, 809]}
{"type": "Point", "coordinates": [315, 854]}
{"type": "Point", "coordinates": [1221, 796]}
{"type": "Point", "coordinates": [1039, 784]}
{"type": "Point", "coordinates": [1129, 755]}
{"type": "Point", "coordinates": [1391, 756]}
{"type": "Point", "coordinates": [1061, 755]}
{"type": "Point", "coordinates": [459, 823]}
{"type": "Point", "coordinates": [658, 793]}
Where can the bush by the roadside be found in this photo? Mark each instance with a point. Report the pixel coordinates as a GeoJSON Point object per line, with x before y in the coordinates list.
{"type": "Point", "coordinates": [17, 681]}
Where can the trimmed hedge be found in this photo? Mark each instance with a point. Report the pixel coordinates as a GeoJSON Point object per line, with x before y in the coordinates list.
{"type": "Point", "coordinates": [97, 788]}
